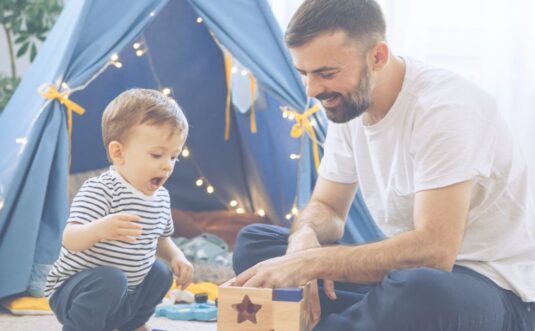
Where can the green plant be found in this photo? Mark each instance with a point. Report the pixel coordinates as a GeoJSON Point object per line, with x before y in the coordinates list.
{"type": "Point", "coordinates": [25, 24]}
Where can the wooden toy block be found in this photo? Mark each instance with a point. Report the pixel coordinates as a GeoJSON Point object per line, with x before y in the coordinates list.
{"type": "Point", "coordinates": [263, 309]}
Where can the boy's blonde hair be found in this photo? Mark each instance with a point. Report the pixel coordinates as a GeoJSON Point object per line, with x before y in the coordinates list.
{"type": "Point", "coordinates": [140, 106]}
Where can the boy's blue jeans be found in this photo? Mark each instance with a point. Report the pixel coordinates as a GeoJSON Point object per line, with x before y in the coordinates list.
{"type": "Point", "coordinates": [412, 299]}
{"type": "Point", "coordinates": [98, 299]}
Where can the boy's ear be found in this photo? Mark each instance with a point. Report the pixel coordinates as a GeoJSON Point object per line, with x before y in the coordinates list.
{"type": "Point", "coordinates": [116, 153]}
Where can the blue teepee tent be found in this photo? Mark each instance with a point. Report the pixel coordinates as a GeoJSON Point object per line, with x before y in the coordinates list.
{"type": "Point", "coordinates": [99, 48]}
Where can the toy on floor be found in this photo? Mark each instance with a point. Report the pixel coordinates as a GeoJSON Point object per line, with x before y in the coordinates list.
{"type": "Point", "coordinates": [201, 310]}
{"type": "Point", "coordinates": [260, 309]}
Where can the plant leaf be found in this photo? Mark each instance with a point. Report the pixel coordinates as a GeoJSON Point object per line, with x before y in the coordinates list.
{"type": "Point", "coordinates": [33, 52]}
{"type": "Point", "coordinates": [22, 50]}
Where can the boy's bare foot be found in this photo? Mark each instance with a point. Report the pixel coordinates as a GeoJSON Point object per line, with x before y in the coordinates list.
{"type": "Point", "coordinates": [144, 327]}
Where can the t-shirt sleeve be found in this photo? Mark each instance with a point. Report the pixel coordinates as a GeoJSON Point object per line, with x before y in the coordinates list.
{"type": "Point", "coordinates": [451, 144]}
{"type": "Point", "coordinates": [338, 162]}
{"type": "Point", "coordinates": [90, 203]}
{"type": "Point", "coordinates": [169, 227]}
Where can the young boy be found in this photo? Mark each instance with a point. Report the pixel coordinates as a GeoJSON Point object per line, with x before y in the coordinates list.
{"type": "Point", "coordinates": [106, 276]}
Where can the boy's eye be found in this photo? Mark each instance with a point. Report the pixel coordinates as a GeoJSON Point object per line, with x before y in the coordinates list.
{"type": "Point", "coordinates": [156, 156]}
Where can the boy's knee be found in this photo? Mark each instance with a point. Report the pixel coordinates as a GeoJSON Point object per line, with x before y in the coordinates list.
{"type": "Point", "coordinates": [161, 274]}
{"type": "Point", "coordinates": [112, 282]}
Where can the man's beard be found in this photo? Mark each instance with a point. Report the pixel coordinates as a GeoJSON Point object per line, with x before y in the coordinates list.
{"type": "Point", "coordinates": [352, 104]}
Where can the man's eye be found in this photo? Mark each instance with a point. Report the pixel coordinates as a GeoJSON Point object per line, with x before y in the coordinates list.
{"type": "Point", "coordinates": [327, 76]}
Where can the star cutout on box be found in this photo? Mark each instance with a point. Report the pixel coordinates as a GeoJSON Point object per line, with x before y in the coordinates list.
{"type": "Point", "coordinates": [246, 310]}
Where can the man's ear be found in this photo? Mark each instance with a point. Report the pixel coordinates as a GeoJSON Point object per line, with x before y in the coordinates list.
{"type": "Point", "coordinates": [116, 152]}
{"type": "Point", "coordinates": [379, 56]}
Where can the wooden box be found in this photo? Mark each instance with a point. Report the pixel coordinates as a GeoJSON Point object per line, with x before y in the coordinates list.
{"type": "Point", "coordinates": [263, 309]}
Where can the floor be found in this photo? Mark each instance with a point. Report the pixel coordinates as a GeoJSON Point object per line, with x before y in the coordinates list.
{"type": "Point", "coordinates": [10, 322]}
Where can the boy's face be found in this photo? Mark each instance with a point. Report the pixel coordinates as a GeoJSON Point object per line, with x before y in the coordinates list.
{"type": "Point", "coordinates": [148, 156]}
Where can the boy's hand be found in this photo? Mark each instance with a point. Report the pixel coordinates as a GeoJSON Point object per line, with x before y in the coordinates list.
{"type": "Point", "coordinates": [119, 226]}
{"type": "Point", "coordinates": [183, 271]}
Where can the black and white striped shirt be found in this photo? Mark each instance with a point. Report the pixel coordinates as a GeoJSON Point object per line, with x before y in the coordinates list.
{"type": "Point", "coordinates": [108, 194]}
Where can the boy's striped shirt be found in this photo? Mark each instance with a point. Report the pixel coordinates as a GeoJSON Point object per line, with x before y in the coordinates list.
{"type": "Point", "coordinates": [108, 194]}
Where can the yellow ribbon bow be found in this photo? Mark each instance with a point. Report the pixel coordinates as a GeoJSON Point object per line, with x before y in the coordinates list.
{"type": "Point", "coordinates": [302, 124]}
{"type": "Point", "coordinates": [51, 92]}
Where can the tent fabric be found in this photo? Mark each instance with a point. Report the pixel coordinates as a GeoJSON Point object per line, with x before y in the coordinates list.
{"type": "Point", "coordinates": [253, 168]}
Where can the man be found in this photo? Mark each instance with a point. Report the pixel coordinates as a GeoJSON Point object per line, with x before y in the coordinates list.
{"type": "Point", "coordinates": [439, 172]}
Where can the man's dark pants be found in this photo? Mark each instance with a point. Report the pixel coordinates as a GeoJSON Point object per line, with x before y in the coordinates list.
{"type": "Point", "coordinates": [409, 299]}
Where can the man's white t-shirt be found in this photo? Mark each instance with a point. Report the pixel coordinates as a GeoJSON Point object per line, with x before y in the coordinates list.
{"type": "Point", "coordinates": [440, 131]}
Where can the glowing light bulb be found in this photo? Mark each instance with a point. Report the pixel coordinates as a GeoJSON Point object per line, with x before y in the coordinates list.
{"type": "Point", "coordinates": [295, 210]}
{"type": "Point", "coordinates": [243, 72]}
{"type": "Point", "coordinates": [261, 212]}
{"type": "Point", "coordinates": [199, 19]}
{"type": "Point", "coordinates": [234, 70]}
{"type": "Point", "coordinates": [118, 64]}
{"type": "Point", "coordinates": [199, 182]}
{"type": "Point", "coordinates": [185, 152]}
{"type": "Point", "coordinates": [152, 14]}
{"type": "Point", "coordinates": [291, 116]}
{"type": "Point", "coordinates": [233, 203]}
{"type": "Point", "coordinates": [139, 52]}
{"type": "Point", "coordinates": [295, 156]}
{"type": "Point", "coordinates": [285, 114]}
{"type": "Point", "coordinates": [288, 216]}
{"type": "Point", "coordinates": [240, 210]}
{"type": "Point", "coordinates": [136, 45]}
{"type": "Point", "coordinates": [114, 57]}
{"type": "Point", "coordinates": [1, 204]}
{"type": "Point", "coordinates": [210, 189]}
{"type": "Point", "coordinates": [166, 91]}
{"type": "Point", "coordinates": [23, 141]}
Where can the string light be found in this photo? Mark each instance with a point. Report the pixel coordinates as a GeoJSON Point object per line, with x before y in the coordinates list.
{"type": "Point", "coordinates": [234, 70]}
{"type": "Point", "coordinates": [114, 59]}
{"type": "Point", "coordinates": [295, 156]}
{"type": "Point", "coordinates": [243, 72]}
{"type": "Point", "coordinates": [285, 114]}
{"type": "Point", "coordinates": [1, 204]}
{"type": "Point", "coordinates": [166, 91]}
{"type": "Point", "coordinates": [23, 141]}
{"type": "Point", "coordinates": [136, 45]}
{"type": "Point", "coordinates": [240, 210]}
{"type": "Point", "coordinates": [291, 116]}
{"type": "Point", "coordinates": [199, 182]}
{"type": "Point", "coordinates": [288, 216]}
{"type": "Point", "coordinates": [261, 212]}
{"type": "Point", "coordinates": [151, 14]}
{"type": "Point", "coordinates": [185, 152]}
{"type": "Point", "coordinates": [233, 203]}
{"type": "Point", "coordinates": [295, 211]}
{"type": "Point", "coordinates": [199, 19]}
{"type": "Point", "coordinates": [210, 189]}
{"type": "Point", "coordinates": [140, 52]}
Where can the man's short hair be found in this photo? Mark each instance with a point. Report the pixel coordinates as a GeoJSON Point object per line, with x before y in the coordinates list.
{"type": "Point", "coordinates": [362, 20]}
{"type": "Point", "coordinates": [140, 106]}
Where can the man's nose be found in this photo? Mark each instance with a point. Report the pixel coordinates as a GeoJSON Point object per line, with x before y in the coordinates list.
{"type": "Point", "coordinates": [313, 86]}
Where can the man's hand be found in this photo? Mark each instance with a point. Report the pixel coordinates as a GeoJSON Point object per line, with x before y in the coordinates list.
{"type": "Point", "coordinates": [119, 226]}
{"type": "Point", "coordinates": [301, 240]}
{"type": "Point", "coordinates": [183, 271]}
{"type": "Point", "coordinates": [283, 271]}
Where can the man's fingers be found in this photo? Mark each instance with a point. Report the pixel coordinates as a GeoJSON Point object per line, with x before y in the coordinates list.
{"type": "Point", "coordinates": [314, 302]}
{"type": "Point", "coordinates": [328, 288]}
{"type": "Point", "coordinates": [242, 278]}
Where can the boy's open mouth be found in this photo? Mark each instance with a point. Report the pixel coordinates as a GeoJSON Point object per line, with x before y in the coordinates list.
{"type": "Point", "coordinates": [156, 181]}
